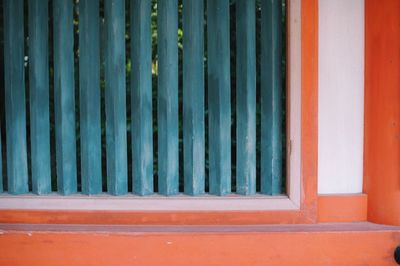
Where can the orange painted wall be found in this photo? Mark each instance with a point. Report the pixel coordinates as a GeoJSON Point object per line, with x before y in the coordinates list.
{"type": "Point", "coordinates": [382, 110]}
{"type": "Point", "coordinates": [342, 208]}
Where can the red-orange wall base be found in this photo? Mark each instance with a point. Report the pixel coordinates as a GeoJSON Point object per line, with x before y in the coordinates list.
{"type": "Point", "coordinates": [329, 244]}
{"type": "Point", "coordinates": [342, 208]}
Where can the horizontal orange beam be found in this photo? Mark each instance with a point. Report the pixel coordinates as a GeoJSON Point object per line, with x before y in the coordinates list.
{"type": "Point", "coordinates": [153, 217]}
{"type": "Point", "coordinates": [327, 244]}
{"type": "Point", "coordinates": [342, 208]}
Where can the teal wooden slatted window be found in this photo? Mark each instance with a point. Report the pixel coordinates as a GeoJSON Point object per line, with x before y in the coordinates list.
{"type": "Point", "coordinates": [143, 97]}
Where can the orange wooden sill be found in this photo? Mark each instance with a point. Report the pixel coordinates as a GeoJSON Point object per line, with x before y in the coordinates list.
{"type": "Point", "coordinates": [320, 244]}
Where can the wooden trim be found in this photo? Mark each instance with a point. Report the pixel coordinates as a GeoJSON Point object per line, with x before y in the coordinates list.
{"type": "Point", "coordinates": [382, 111]}
{"type": "Point", "coordinates": [198, 229]}
{"type": "Point", "coordinates": [293, 103]}
{"type": "Point", "coordinates": [329, 244]}
{"type": "Point", "coordinates": [342, 208]}
{"type": "Point", "coordinates": [309, 107]}
{"type": "Point", "coordinates": [308, 164]}
{"type": "Point", "coordinates": [131, 202]}
{"type": "Point", "coordinates": [153, 217]}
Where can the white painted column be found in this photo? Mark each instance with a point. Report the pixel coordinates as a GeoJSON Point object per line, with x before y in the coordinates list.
{"type": "Point", "coordinates": [341, 96]}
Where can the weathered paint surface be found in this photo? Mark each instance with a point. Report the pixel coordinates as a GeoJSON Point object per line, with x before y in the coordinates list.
{"type": "Point", "coordinates": [39, 96]}
{"type": "Point", "coordinates": [219, 96]}
{"type": "Point", "coordinates": [246, 97]}
{"type": "Point", "coordinates": [193, 97]}
{"type": "Point", "coordinates": [64, 95]}
{"type": "Point", "coordinates": [141, 91]}
{"type": "Point", "coordinates": [116, 139]}
{"type": "Point", "coordinates": [382, 111]}
{"type": "Point", "coordinates": [17, 166]}
{"type": "Point", "coordinates": [89, 89]}
{"type": "Point", "coordinates": [333, 244]}
{"type": "Point", "coordinates": [168, 152]}
{"type": "Point", "coordinates": [271, 97]}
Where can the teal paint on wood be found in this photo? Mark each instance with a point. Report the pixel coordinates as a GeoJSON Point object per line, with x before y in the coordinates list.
{"type": "Point", "coordinates": [141, 92]}
{"type": "Point", "coordinates": [64, 95]}
{"type": "Point", "coordinates": [219, 95]}
{"type": "Point", "coordinates": [271, 94]}
{"type": "Point", "coordinates": [193, 97]}
{"type": "Point", "coordinates": [17, 169]}
{"type": "Point", "coordinates": [168, 158]}
{"type": "Point", "coordinates": [39, 96]}
{"type": "Point", "coordinates": [246, 97]}
{"type": "Point", "coordinates": [89, 88]}
{"type": "Point", "coordinates": [117, 176]}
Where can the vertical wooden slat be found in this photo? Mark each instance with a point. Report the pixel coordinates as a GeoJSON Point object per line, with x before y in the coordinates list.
{"type": "Point", "coordinates": [89, 85]}
{"type": "Point", "coordinates": [271, 94]}
{"type": "Point", "coordinates": [168, 159]}
{"type": "Point", "coordinates": [17, 169]}
{"type": "Point", "coordinates": [246, 97]}
{"type": "Point", "coordinates": [193, 97]}
{"type": "Point", "coordinates": [39, 96]}
{"type": "Point", "coordinates": [141, 91]}
{"type": "Point", "coordinates": [219, 96]}
{"type": "Point", "coordinates": [64, 95]}
{"type": "Point", "coordinates": [117, 176]}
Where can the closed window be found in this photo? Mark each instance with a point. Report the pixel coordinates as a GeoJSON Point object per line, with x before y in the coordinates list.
{"type": "Point", "coordinates": [145, 98]}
